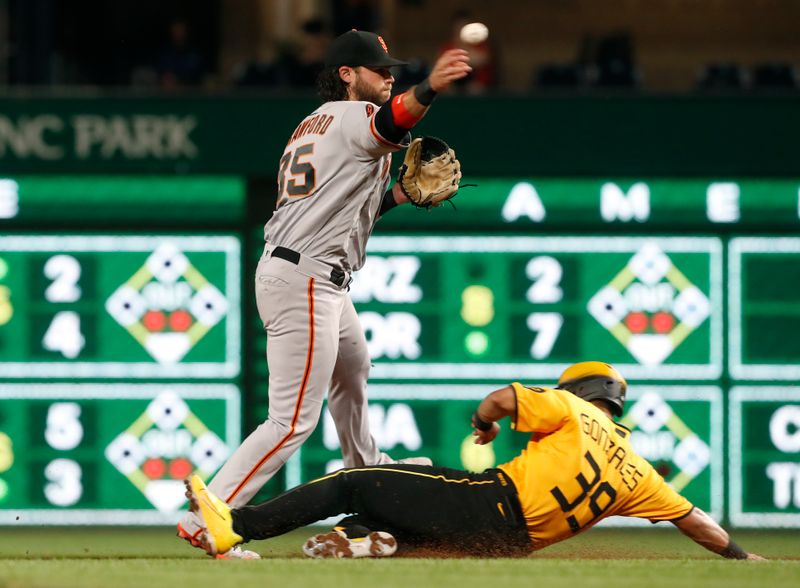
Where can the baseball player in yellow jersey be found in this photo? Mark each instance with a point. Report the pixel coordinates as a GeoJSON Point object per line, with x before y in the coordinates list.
{"type": "Point", "coordinates": [332, 189]}
{"type": "Point", "coordinates": [577, 469]}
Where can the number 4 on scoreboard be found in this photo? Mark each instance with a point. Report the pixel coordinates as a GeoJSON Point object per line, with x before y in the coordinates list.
{"type": "Point", "coordinates": [64, 334]}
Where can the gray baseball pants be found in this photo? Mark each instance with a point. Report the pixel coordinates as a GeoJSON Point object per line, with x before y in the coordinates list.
{"type": "Point", "coordinates": [314, 342]}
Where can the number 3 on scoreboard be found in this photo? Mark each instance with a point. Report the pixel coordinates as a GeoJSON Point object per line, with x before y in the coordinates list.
{"type": "Point", "coordinates": [64, 486]}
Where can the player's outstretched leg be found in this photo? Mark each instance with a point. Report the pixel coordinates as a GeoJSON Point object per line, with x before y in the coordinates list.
{"type": "Point", "coordinates": [336, 544]}
{"type": "Point", "coordinates": [217, 537]}
{"type": "Point", "coordinates": [347, 397]}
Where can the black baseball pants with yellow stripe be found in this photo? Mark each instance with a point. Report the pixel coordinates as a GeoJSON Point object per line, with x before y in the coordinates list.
{"type": "Point", "coordinates": [420, 505]}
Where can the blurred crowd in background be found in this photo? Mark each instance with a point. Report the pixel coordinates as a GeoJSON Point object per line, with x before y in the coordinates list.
{"type": "Point", "coordinates": [740, 46]}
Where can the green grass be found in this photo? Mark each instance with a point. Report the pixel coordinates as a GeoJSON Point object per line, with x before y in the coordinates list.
{"type": "Point", "coordinates": [149, 558]}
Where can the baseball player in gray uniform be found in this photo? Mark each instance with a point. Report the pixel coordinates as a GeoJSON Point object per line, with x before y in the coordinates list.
{"type": "Point", "coordinates": [332, 189]}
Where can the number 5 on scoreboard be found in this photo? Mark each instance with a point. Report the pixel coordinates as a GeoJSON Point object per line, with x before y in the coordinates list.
{"type": "Point", "coordinates": [547, 326]}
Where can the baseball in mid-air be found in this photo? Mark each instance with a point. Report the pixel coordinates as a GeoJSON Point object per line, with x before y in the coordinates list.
{"type": "Point", "coordinates": [474, 33]}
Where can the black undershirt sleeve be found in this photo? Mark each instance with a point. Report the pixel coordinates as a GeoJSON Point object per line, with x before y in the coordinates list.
{"type": "Point", "coordinates": [388, 203]}
{"type": "Point", "coordinates": [385, 125]}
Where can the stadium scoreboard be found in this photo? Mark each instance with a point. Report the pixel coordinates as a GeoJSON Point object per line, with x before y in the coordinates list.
{"type": "Point", "coordinates": [525, 307]}
{"type": "Point", "coordinates": [109, 453]}
{"type": "Point", "coordinates": [130, 355]}
{"type": "Point", "coordinates": [75, 297]}
{"type": "Point", "coordinates": [120, 351]}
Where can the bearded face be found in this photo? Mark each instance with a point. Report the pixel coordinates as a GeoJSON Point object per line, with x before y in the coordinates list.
{"type": "Point", "coordinates": [372, 85]}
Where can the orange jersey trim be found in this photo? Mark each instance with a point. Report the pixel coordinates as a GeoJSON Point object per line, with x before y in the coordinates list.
{"type": "Point", "coordinates": [298, 405]}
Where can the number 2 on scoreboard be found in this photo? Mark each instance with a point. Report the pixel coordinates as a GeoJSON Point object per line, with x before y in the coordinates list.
{"type": "Point", "coordinates": [545, 272]}
{"type": "Point", "coordinates": [64, 333]}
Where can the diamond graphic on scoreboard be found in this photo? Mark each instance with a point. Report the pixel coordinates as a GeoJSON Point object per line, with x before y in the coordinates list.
{"type": "Point", "coordinates": [127, 453]}
{"type": "Point", "coordinates": [167, 264]}
{"type": "Point", "coordinates": [660, 436]}
{"type": "Point", "coordinates": [167, 411]}
{"type": "Point", "coordinates": [692, 455]}
{"type": "Point", "coordinates": [209, 452]}
{"type": "Point", "coordinates": [650, 307]}
{"type": "Point", "coordinates": [127, 306]}
{"type": "Point", "coordinates": [166, 444]}
{"type": "Point", "coordinates": [692, 307]}
{"type": "Point", "coordinates": [168, 305]}
{"type": "Point", "coordinates": [650, 413]}
{"type": "Point", "coordinates": [650, 264]}
{"type": "Point", "coordinates": [208, 306]}
{"type": "Point", "coordinates": [608, 307]}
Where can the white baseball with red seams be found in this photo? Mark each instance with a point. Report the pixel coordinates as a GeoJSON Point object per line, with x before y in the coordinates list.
{"type": "Point", "coordinates": [474, 33]}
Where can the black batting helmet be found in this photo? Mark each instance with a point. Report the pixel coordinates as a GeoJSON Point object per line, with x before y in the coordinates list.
{"type": "Point", "coordinates": [595, 380]}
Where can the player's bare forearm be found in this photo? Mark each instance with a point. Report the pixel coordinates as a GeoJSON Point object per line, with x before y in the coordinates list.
{"type": "Point", "coordinates": [399, 195]}
{"type": "Point", "coordinates": [704, 530]}
{"type": "Point", "coordinates": [497, 405]}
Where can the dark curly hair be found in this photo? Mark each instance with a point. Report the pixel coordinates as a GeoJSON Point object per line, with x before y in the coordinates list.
{"type": "Point", "coordinates": [330, 86]}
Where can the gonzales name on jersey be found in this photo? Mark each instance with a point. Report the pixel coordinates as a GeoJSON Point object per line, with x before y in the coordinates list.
{"type": "Point", "coordinates": [579, 467]}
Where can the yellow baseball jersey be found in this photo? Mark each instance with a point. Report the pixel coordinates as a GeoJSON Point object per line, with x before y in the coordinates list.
{"type": "Point", "coordinates": [579, 467]}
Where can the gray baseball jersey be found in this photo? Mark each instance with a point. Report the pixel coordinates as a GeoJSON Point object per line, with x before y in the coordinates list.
{"type": "Point", "coordinates": [332, 178]}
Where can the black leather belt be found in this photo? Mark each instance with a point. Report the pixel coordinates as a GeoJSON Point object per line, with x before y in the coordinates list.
{"type": "Point", "coordinates": [337, 276]}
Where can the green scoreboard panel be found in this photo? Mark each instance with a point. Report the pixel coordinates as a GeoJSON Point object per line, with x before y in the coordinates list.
{"type": "Point", "coordinates": [109, 453]}
{"type": "Point", "coordinates": [113, 306]}
{"type": "Point", "coordinates": [526, 307]}
{"type": "Point", "coordinates": [132, 200]}
{"type": "Point", "coordinates": [107, 338]}
{"type": "Point", "coordinates": [673, 204]}
{"type": "Point", "coordinates": [678, 429]}
{"type": "Point", "coordinates": [120, 350]}
{"type": "Point", "coordinates": [764, 308]}
{"type": "Point", "coordinates": [764, 454]}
